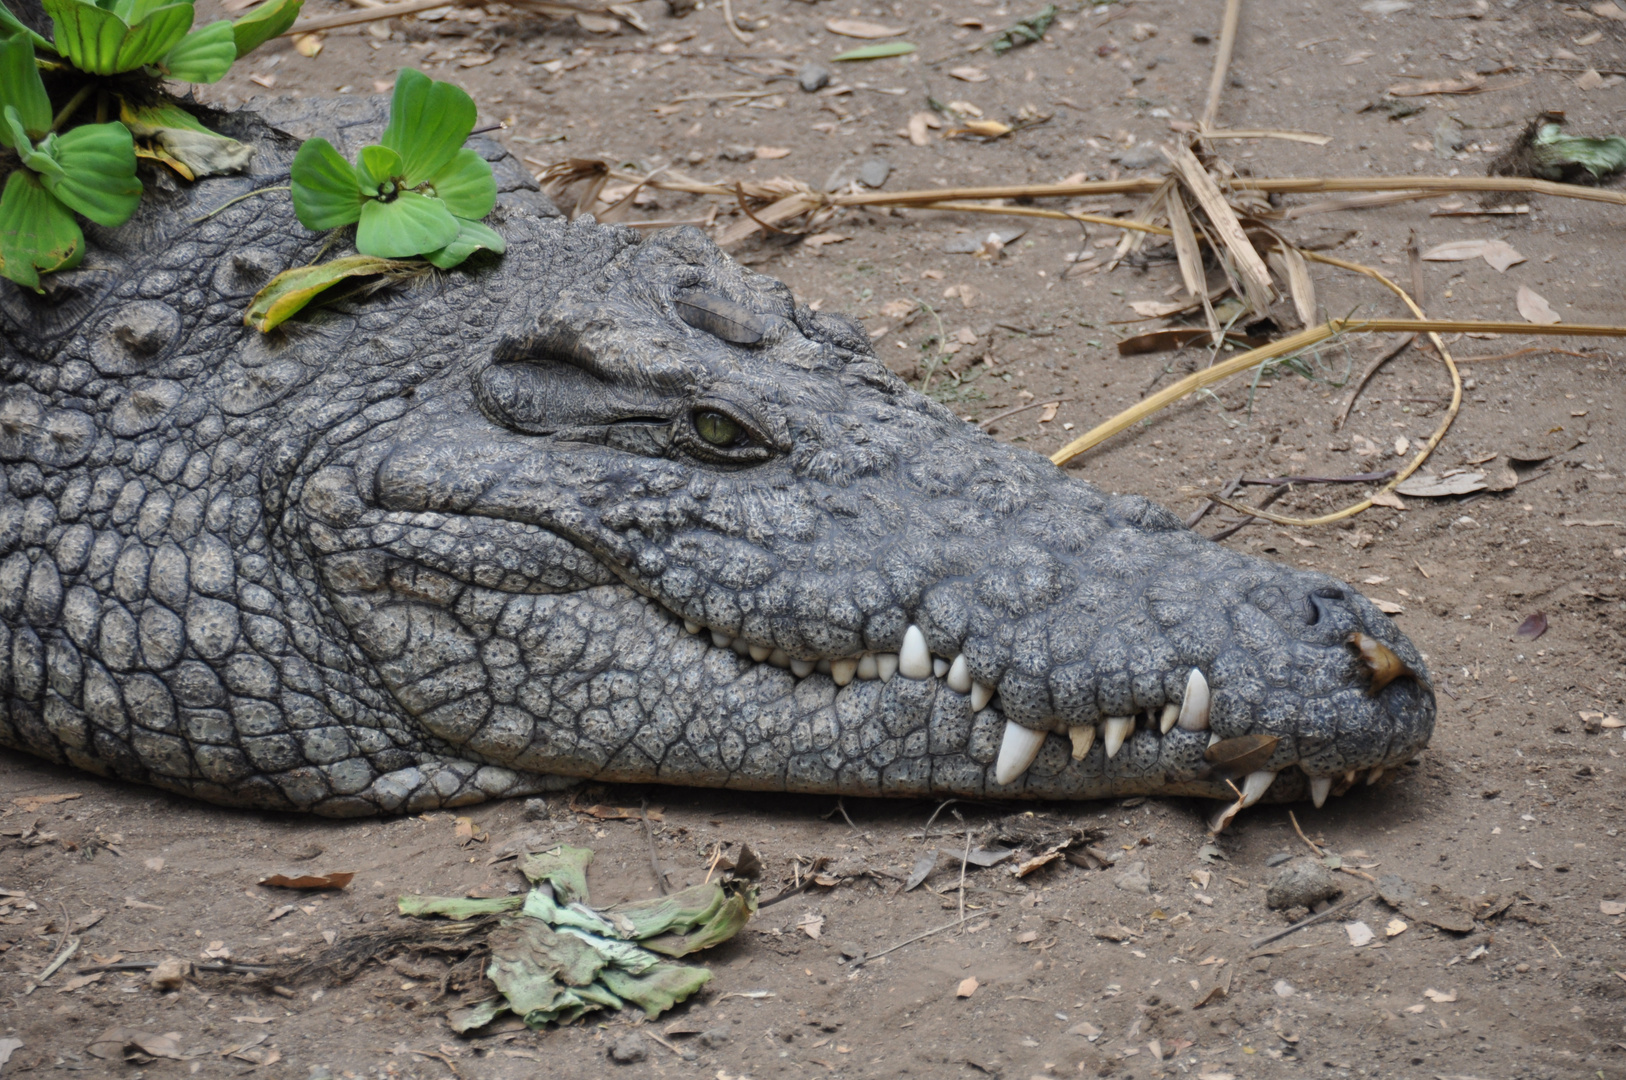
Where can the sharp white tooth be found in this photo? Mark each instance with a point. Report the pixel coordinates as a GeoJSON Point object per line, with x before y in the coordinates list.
{"type": "Point", "coordinates": [867, 668]}
{"type": "Point", "coordinates": [959, 676]}
{"type": "Point", "coordinates": [1320, 788]}
{"type": "Point", "coordinates": [1255, 786]}
{"type": "Point", "coordinates": [1171, 713]}
{"type": "Point", "coordinates": [822, 667]}
{"type": "Point", "coordinates": [1374, 776]}
{"type": "Point", "coordinates": [940, 667]}
{"type": "Point", "coordinates": [842, 671]}
{"type": "Point", "coordinates": [720, 639]}
{"type": "Point", "coordinates": [1118, 729]}
{"type": "Point", "coordinates": [1083, 736]}
{"type": "Point", "coordinates": [802, 668]}
{"type": "Point", "coordinates": [759, 653]}
{"type": "Point", "coordinates": [981, 695]}
{"type": "Point", "coordinates": [779, 658]}
{"type": "Point", "coordinates": [886, 665]}
{"type": "Point", "coordinates": [1213, 738]}
{"type": "Point", "coordinates": [1349, 777]}
{"type": "Point", "coordinates": [1194, 709]}
{"type": "Point", "coordinates": [1016, 751]}
{"type": "Point", "coordinates": [914, 662]}
{"type": "Point", "coordinates": [692, 627]}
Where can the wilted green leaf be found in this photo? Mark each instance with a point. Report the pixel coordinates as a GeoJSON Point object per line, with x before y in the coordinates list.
{"type": "Point", "coordinates": [428, 122]}
{"type": "Point", "coordinates": [291, 290]}
{"type": "Point", "coordinates": [20, 85]}
{"type": "Point", "coordinates": [534, 967]}
{"type": "Point", "coordinates": [622, 954]}
{"type": "Point", "coordinates": [181, 137]}
{"type": "Point", "coordinates": [473, 1017]}
{"type": "Point", "coordinates": [456, 907]}
{"type": "Point", "coordinates": [324, 187]}
{"type": "Point", "coordinates": [879, 51]}
{"type": "Point", "coordinates": [263, 23]}
{"type": "Point", "coordinates": [378, 171]}
{"type": "Point", "coordinates": [202, 56]}
{"type": "Point", "coordinates": [680, 911]}
{"type": "Point", "coordinates": [728, 920]}
{"type": "Point", "coordinates": [471, 237]}
{"type": "Point", "coordinates": [1025, 31]}
{"type": "Point", "coordinates": [1557, 153]}
{"type": "Point", "coordinates": [102, 42]}
{"type": "Point", "coordinates": [563, 867]}
{"type": "Point", "coordinates": [409, 224]}
{"type": "Point", "coordinates": [539, 904]}
{"type": "Point", "coordinates": [98, 172]}
{"type": "Point", "coordinates": [37, 233]}
{"type": "Point", "coordinates": [657, 990]}
{"type": "Point", "coordinates": [465, 185]}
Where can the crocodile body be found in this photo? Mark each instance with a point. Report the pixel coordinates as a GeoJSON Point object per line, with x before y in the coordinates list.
{"type": "Point", "coordinates": [607, 507]}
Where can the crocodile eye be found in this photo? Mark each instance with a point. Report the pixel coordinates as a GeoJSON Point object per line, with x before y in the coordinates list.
{"type": "Point", "coordinates": [719, 430]}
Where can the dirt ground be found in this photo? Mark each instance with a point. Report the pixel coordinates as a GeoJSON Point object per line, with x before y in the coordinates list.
{"type": "Point", "coordinates": [1079, 972]}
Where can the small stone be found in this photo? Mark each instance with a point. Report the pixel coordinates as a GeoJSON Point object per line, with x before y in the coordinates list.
{"type": "Point", "coordinates": [873, 172]}
{"type": "Point", "coordinates": [738, 153]}
{"type": "Point", "coordinates": [813, 77]}
{"type": "Point", "coordinates": [629, 1049]}
{"type": "Point", "coordinates": [712, 1038]}
{"type": "Point", "coordinates": [849, 951]}
{"type": "Point", "coordinates": [535, 810]}
{"type": "Point", "coordinates": [1134, 878]}
{"type": "Point", "coordinates": [321, 1072]}
{"type": "Point", "coordinates": [1278, 858]}
{"type": "Point", "coordinates": [169, 974]}
{"type": "Point", "coordinates": [1141, 156]}
{"type": "Point", "coordinates": [1200, 37]}
{"type": "Point", "coordinates": [1302, 882]}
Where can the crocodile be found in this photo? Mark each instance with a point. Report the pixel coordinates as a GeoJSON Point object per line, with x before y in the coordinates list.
{"type": "Point", "coordinates": [610, 506]}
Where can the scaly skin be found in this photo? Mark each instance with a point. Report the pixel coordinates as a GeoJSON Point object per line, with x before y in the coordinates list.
{"type": "Point", "coordinates": [438, 544]}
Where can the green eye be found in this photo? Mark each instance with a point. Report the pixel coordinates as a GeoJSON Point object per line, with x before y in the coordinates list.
{"type": "Point", "coordinates": [717, 429]}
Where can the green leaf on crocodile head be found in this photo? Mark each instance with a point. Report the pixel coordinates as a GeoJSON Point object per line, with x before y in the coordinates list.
{"type": "Point", "coordinates": [107, 42]}
{"type": "Point", "coordinates": [178, 139]}
{"type": "Point", "coordinates": [37, 233]}
{"type": "Point", "coordinates": [10, 24]}
{"type": "Point", "coordinates": [287, 293]}
{"type": "Point", "coordinates": [465, 184]}
{"type": "Point", "coordinates": [98, 177]}
{"type": "Point", "coordinates": [203, 56]}
{"type": "Point", "coordinates": [429, 121]}
{"type": "Point", "coordinates": [20, 85]}
{"type": "Point", "coordinates": [378, 172]}
{"type": "Point", "coordinates": [264, 23]}
{"type": "Point", "coordinates": [407, 225]}
{"type": "Point", "coordinates": [471, 237]}
{"type": "Point", "coordinates": [325, 190]}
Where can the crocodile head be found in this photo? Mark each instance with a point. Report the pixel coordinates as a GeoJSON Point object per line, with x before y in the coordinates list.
{"type": "Point", "coordinates": [608, 507]}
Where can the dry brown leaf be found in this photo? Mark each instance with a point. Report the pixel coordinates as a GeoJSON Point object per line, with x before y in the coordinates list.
{"type": "Point", "coordinates": [468, 832]}
{"type": "Point", "coordinates": [1440, 998]}
{"type": "Point", "coordinates": [812, 925]}
{"type": "Point", "coordinates": [1470, 85]}
{"type": "Point", "coordinates": [1429, 486]}
{"type": "Point", "coordinates": [969, 74]}
{"type": "Point", "coordinates": [1456, 251]}
{"type": "Point", "coordinates": [772, 153]}
{"type": "Point", "coordinates": [858, 28]}
{"type": "Point", "coordinates": [1612, 907]}
{"type": "Point", "coordinates": [1609, 10]}
{"type": "Point", "coordinates": [1359, 933]}
{"type": "Point", "coordinates": [1534, 307]}
{"type": "Point", "coordinates": [308, 45]}
{"type": "Point", "coordinates": [1249, 266]}
{"type": "Point", "coordinates": [1388, 607]}
{"type": "Point", "coordinates": [818, 240]}
{"type": "Point", "coordinates": [986, 129]}
{"type": "Point", "coordinates": [968, 986]}
{"type": "Point", "coordinates": [919, 123]}
{"type": "Point", "coordinates": [1389, 499]}
{"type": "Point", "coordinates": [309, 881]}
{"type": "Point", "coordinates": [1501, 255]}
{"type": "Point", "coordinates": [30, 803]}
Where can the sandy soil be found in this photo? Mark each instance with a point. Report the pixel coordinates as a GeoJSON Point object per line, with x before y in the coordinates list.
{"type": "Point", "coordinates": [1080, 972]}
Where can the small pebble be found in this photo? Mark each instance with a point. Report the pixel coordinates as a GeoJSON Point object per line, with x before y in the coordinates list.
{"type": "Point", "coordinates": [712, 1038]}
{"type": "Point", "coordinates": [1302, 882]}
{"type": "Point", "coordinates": [873, 172]}
{"type": "Point", "coordinates": [535, 810]}
{"type": "Point", "coordinates": [813, 77]}
{"type": "Point", "coordinates": [629, 1049]}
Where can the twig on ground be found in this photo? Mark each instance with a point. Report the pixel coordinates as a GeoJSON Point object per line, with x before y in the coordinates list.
{"type": "Point", "coordinates": [1522, 352]}
{"type": "Point", "coordinates": [1222, 61]}
{"type": "Point", "coordinates": [964, 859]}
{"type": "Point", "coordinates": [734, 27]}
{"type": "Point", "coordinates": [1313, 847]}
{"type": "Point", "coordinates": [1249, 512]}
{"type": "Point", "coordinates": [926, 833]}
{"type": "Point", "coordinates": [1202, 511]}
{"type": "Point", "coordinates": [986, 424]}
{"type": "Point", "coordinates": [862, 960]}
{"type": "Point", "coordinates": [1278, 481]}
{"type": "Point", "coordinates": [1311, 921]}
{"type": "Point", "coordinates": [654, 860]}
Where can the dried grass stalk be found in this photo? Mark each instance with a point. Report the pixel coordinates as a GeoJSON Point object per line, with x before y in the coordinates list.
{"type": "Point", "coordinates": [1256, 285]}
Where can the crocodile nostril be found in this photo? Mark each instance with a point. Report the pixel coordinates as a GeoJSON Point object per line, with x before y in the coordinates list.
{"type": "Point", "coordinates": [1320, 603]}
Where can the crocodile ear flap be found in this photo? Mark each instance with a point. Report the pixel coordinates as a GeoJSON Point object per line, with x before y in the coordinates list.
{"type": "Point", "coordinates": [530, 388]}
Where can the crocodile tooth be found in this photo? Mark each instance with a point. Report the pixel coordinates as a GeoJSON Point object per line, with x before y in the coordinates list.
{"type": "Point", "coordinates": [867, 668]}
{"type": "Point", "coordinates": [1083, 736]}
{"type": "Point", "coordinates": [1213, 737]}
{"type": "Point", "coordinates": [959, 676]}
{"type": "Point", "coordinates": [1016, 751]}
{"type": "Point", "coordinates": [720, 639]}
{"type": "Point", "coordinates": [779, 658]}
{"type": "Point", "coordinates": [802, 668]}
{"type": "Point", "coordinates": [1349, 777]}
{"type": "Point", "coordinates": [1171, 713]}
{"type": "Point", "coordinates": [842, 671]}
{"type": "Point", "coordinates": [1118, 729]}
{"type": "Point", "coordinates": [692, 627]}
{"type": "Point", "coordinates": [914, 662]}
{"type": "Point", "coordinates": [940, 667]}
{"type": "Point", "coordinates": [1255, 786]}
{"type": "Point", "coordinates": [1320, 787]}
{"type": "Point", "coordinates": [741, 646]}
{"type": "Point", "coordinates": [1374, 776]}
{"type": "Point", "coordinates": [759, 653]}
{"type": "Point", "coordinates": [886, 665]}
{"type": "Point", "coordinates": [981, 695]}
{"type": "Point", "coordinates": [1194, 709]}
